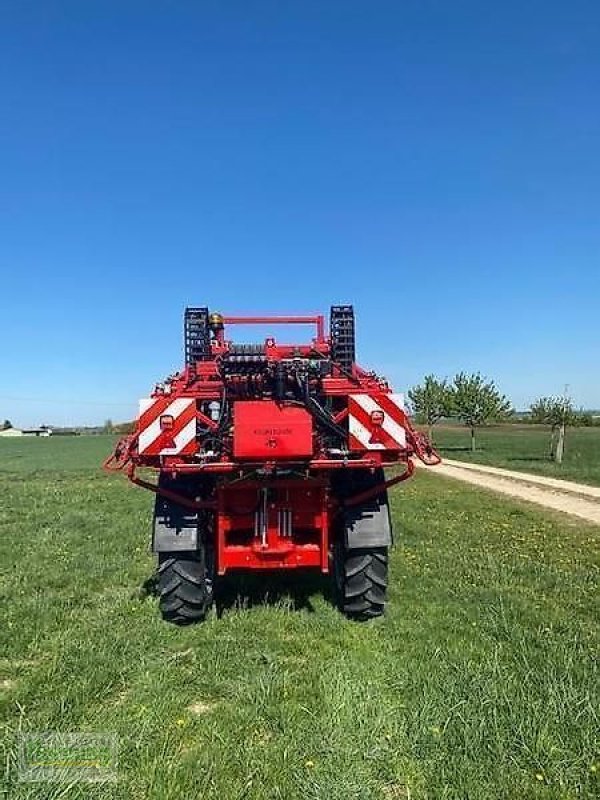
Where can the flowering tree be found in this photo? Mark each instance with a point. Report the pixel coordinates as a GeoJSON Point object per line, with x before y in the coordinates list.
{"type": "Point", "coordinates": [477, 400]}
{"type": "Point", "coordinates": [557, 412]}
{"type": "Point", "coordinates": [431, 400]}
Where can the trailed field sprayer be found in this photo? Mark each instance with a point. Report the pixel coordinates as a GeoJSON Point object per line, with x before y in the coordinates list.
{"type": "Point", "coordinates": [271, 457]}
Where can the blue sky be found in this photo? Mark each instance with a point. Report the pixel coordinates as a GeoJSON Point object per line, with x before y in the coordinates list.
{"type": "Point", "coordinates": [436, 163]}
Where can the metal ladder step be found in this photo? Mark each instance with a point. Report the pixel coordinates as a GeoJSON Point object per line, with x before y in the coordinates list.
{"type": "Point", "coordinates": [342, 336]}
{"type": "Point", "coordinates": [196, 335]}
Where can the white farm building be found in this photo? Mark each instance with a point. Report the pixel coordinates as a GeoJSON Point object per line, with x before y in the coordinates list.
{"type": "Point", "coordinates": [11, 432]}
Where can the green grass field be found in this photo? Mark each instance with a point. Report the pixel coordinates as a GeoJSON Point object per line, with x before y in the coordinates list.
{"type": "Point", "coordinates": [525, 448]}
{"type": "Point", "coordinates": [480, 682]}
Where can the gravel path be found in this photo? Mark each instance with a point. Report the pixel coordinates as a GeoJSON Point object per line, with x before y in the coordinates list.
{"type": "Point", "coordinates": [566, 496]}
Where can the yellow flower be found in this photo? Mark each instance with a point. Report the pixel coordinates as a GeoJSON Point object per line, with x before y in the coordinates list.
{"type": "Point", "coordinates": [181, 723]}
{"type": "Point", "coordinates": [309, 764]}
{"type": "Point", "coordinates": [539, 776]}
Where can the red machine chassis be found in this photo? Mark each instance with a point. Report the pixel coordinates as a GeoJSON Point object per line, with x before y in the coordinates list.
{"type": "Point", "coordinates": [297, 498]}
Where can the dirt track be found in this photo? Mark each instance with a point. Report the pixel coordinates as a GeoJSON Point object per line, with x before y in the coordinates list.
{"type": "Point", "coordinates": [571, 498]}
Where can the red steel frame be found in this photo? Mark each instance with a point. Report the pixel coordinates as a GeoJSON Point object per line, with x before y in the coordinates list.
{"type": "Point", "coordinates": [292, 527]}
{"type": "Point", "coordinates": [318, 320]}
{"type": "Point", "coordinates": [306, 503]}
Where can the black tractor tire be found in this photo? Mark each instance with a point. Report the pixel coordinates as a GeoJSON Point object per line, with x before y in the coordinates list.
{"type": "Point", "coordinates": [361, 578]}
{"type": "Point", "coordinates": [184, 586]}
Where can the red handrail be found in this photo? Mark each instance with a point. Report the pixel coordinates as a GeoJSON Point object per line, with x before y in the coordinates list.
{"type": "Point", "coordinates": [318, 320]}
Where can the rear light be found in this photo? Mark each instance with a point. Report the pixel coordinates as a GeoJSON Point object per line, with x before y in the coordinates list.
{"type": "Point", "coordinates": [377, 417]}
{"type": "Point", "coordinates": [166, 422]}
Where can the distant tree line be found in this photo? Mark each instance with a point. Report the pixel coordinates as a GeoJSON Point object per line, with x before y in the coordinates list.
{"type": "Point", "coordinates": [476, 401]}
{"type": "Point", "coordinates": [578, 418]}
{"type": "Point", "coordinates": [473, 399]}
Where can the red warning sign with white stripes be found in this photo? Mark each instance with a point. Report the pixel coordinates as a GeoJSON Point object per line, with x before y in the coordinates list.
{"type": "Point", "coordinates": [376, 422]}
{"type": "Point", "coordinates": [167, 426]}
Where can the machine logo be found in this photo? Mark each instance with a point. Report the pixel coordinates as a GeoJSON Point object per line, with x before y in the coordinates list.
{"type": "Point", "coordinates": [272, 431]}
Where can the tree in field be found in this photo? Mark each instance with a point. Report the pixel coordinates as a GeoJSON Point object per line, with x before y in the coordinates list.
{"type": "Point", "coordinates": [557, 412]}
{"type": "Point", "coordinates": [541, 413]}
{"type": "Point", "coordinates": [477, 401]}
{"type": "Point", "coordinates": [540, 410]}
{"type": "Point", "coordinates": [6, 425]}
{"type": "Point", "coordinates": [108, 426]}
{"type": "Point", "coordinates": [431, 400]}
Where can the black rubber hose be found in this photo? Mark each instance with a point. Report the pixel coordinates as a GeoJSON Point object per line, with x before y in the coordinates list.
{"type": "Point", "coordinates": [318, 412]}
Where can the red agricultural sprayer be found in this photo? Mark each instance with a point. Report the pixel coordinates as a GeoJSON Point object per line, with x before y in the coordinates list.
{"type": "Point", "coordinates": [271, 457]}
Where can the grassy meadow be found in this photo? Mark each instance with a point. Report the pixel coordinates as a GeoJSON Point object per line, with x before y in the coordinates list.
{"type": "Point", "coordinates": [480, 682]}
{"type": "Point", "coordinates": [525, 448]}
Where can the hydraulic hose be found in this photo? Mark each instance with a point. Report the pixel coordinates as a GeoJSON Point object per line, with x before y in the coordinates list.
{"type": "Point", "coordinates": [318, 412]}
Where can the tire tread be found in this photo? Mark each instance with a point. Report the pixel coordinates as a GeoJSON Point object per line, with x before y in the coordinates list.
{"type": "Point", "coordinates": [185, 594]}
{"type": "Point", "coordinates": [362, 594]}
